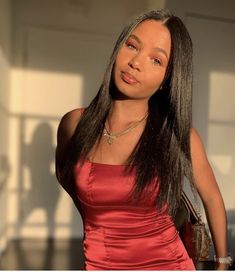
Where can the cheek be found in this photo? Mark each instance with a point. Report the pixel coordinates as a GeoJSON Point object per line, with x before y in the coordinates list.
{"type": "Point", "coordinates": [114, 74]}
{"type": "Point", "coordinates": [121, 57]}
{"type": "Point", "coordinates": [154, 81]}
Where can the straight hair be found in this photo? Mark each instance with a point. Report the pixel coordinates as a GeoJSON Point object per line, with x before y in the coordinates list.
{"type": "Point", "coordinates": [162, 154]}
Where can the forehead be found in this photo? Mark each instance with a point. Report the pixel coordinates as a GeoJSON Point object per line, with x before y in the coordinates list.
{"type": "Point", "coordinates": [153, 33]}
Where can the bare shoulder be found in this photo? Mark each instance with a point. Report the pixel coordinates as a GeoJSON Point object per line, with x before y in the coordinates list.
{"type": "Point", "coordinates": [68, 123]}
{"type": "Point", "coordinates": [65, 131]}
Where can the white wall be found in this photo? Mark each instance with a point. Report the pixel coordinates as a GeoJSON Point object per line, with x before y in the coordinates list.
{"type": "Point", "coordinates": [60, 51]}
{"type": "Point", "coordinates": [5, 58]}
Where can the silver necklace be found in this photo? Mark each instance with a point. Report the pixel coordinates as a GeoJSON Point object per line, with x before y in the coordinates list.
{"type": "Point", "coordinates": [112, 136]}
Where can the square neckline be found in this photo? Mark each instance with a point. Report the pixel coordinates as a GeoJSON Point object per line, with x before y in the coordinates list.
{"type": "Point", "coordinates": [105, 164]}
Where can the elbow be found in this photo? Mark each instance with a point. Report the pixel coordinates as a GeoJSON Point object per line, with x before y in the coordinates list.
{"type": "Point", "coordinates": [213, 202]}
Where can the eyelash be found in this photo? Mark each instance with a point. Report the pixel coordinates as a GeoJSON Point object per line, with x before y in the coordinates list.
{"type": "Point", "coordinates": [133, 47]}
{"type": "Point", "coordinates": [157, 62]}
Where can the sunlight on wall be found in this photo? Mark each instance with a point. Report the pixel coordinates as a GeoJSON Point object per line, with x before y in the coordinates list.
{"type": "Point", "coordinates": [5, 66]}
{"type": "Point", "coordinates": [222, 96]}
{"type": "Point", "coordinates": [221, 132]}
{"type": "Point", "coordinates": [222, 163]}
{"type": "Point", "coordinates": [54, 93]}
{"type": "Point", "coordinates": [38, 206]}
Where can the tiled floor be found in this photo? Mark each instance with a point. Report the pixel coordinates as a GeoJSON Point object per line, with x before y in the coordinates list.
{"type": "Point", "coordinates": [51, 255]}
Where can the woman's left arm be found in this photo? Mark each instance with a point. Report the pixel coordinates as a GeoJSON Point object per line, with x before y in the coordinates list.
{"type": "Point", "coordinates": [211, 197]}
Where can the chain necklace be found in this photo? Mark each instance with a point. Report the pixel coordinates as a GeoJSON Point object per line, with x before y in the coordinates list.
{"type": "Point", "coordinates": [112, 136]}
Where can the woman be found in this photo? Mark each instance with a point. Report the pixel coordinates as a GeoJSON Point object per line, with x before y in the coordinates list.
{"type": "Point", "coordinates": [124, 157]}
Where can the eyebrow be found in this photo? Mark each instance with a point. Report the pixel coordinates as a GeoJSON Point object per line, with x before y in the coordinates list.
{"type": "Point", "coordinates": [155, 48]}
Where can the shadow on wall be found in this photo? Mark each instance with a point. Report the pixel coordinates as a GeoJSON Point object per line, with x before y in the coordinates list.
{"type": "Point", "coordinates": [4, 171]}
{"type": "Point", "coordinates": [38, 190]}
{"type": "Point", "coordinates": [43, 192]}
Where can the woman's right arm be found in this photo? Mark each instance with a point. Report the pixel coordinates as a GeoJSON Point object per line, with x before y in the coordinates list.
{"type": "Point", "coordinates": [65, 131]}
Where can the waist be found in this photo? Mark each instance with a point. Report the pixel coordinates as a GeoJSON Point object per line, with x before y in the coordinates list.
{"type": "Point", "coordinates": [126, 221]}
{"type": "Point", "coordinates": [125, 246]}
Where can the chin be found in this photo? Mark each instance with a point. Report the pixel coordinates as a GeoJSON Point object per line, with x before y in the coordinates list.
{"type": "Point", "coordinates": [119, 95]}
{"type": "Point", "coordinates": [123, 91]}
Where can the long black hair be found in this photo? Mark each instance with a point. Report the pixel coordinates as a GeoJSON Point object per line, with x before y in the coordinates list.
{"type": "Point", "coordinates": [163, 151]}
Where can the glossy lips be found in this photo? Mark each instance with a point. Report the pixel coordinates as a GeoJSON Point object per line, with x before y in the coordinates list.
{"type": "Point", "coordinates": [128, 78]}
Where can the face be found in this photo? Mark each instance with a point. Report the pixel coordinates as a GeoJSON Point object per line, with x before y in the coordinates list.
{"type": "Point", "coordinates": [141, 62]}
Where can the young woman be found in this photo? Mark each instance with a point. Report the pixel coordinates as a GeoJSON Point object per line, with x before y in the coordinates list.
{"type": "Point", "coordinates": [123, 158]}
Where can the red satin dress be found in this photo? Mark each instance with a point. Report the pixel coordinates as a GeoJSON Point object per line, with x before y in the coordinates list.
{"type": "Point", "coordinates": [120, 234]}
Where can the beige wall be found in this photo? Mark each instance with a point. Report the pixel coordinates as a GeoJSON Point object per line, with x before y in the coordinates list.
{"type": "Point", "coordinates": [5, 58]}
{"type": "Point", "coordinates": [155, 4]}
{"type": "Point", "coordinates": [217, 8]}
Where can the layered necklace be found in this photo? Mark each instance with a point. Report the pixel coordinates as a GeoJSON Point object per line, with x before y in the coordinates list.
{"type": "Point", "coordinates": [112, 136]}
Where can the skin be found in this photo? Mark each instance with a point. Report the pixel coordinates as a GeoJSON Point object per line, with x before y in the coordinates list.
{"type": "Point", "coordinates": [145, 56]}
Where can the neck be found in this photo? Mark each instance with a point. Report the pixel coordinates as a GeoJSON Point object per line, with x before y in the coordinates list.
{"type": "Point", "coordinates": [125, 112]}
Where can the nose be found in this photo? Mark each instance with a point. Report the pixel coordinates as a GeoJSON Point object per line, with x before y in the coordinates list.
{"type": "Point", "coordinates": [135, 63]}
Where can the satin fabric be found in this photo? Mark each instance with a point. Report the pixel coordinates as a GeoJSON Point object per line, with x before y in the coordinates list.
{"type": "Point", "coordinates": [120, 234]}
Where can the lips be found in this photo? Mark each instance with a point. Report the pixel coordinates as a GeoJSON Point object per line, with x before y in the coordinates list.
{"type": "Point", "coordinates": [128, 78]}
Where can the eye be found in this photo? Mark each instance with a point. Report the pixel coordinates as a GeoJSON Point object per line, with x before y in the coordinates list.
{"type": "Point", "coordinates": [156, 61]}
{"type": "Point", "coordinates": [131, 45]}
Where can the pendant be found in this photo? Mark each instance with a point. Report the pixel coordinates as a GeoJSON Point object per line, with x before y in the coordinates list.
{"type": "Point", "coordinates": [110, 140]}
{"type": "Point", "coordinates": [110, 137]}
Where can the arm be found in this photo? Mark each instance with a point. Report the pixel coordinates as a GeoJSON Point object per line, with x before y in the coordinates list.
{"type": "Point", "coordinates": [211, 197]}
{"type": "Point", "coordinates": [65, 131]}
